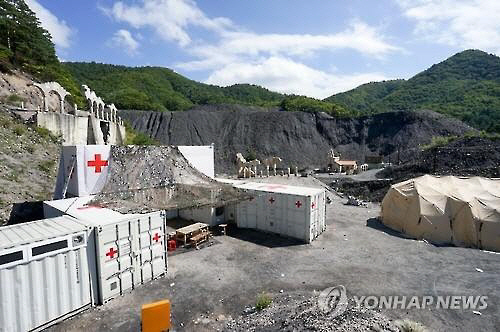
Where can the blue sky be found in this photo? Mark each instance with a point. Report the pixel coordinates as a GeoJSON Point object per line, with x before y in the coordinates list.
{"type": "Point", "coordinates": [314, 47]}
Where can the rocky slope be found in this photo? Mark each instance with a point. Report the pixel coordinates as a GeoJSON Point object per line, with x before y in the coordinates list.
{"type": "Point", "coordinates": [28, 166]}
{"type": "Point", "coordinates": [301, 139]}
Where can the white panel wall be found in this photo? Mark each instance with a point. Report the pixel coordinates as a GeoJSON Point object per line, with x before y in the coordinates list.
{"type": "Point", "coordinates": [200, 157]}
{"type": "Point", "coordinates": [90, 171]}
{"type": "Point", "coordinates": [205, 215]}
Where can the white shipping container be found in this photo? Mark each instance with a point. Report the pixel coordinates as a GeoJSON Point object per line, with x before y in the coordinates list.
{"type": "Point", "coordinates": [44, 274]}
{"type": "Point", "coordinates": [127, 249]}
{"type": "Point", "coordinates": [296, 212]}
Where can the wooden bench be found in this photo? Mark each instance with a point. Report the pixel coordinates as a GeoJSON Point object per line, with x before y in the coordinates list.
{"type": "Point", "coordinates": [186, 233]}
{"type": "Point", "coordinates": [201, 237]}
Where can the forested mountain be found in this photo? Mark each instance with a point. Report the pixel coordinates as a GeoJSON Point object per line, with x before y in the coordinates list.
{"type": "Point", "coordinates": [364, 99]}
{"type": "Point", "coordinates": [466, 86]}
{"type": "Point", "coordinates": [25, 45]}
{"type": "Point", "coordinates": [156, 88]}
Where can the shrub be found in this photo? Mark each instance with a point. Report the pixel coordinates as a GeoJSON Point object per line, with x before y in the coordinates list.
{"type": "Point", "coordinates": [437, 141]}
{"type": "Point", "coordinates": [136, 138]}
{"type": "Point", "coordinates": [46, 166]}
{"type": "Point", "coordinates": [5, 122]}
{"type": "Point", "coordinates": [406, 325]}
{"type": "Point", "coordinates": [264, 300]}
{"type": "Point", "coordinates": [19, 130]}
{"type": "Point", "coordinates": [30, 149]}
{"type": "Point", "coordinates": [14, 98]}
{"type": "Point", "coordinates": [46, 134]}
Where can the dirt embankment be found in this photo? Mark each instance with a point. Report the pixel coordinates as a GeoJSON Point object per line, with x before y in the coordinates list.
{"type": "Point", "coordinates": [28, 166]}
{"type": "Point", "coordinates": [16, 90]}
{"type": "Point", "coordinates": [301, 139]}
{"type": "Point", "coordinates": [473, 156]}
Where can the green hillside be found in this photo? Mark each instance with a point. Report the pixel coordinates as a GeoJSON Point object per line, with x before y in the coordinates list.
{"type": "Point", "coordinates": [364, 98]}
{"type": "Point", "coordinates": [466, 86]}
{"type": "Point", "coordinates": [155, 88]}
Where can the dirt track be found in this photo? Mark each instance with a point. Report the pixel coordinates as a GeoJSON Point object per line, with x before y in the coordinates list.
{"type": "Point", "coordinates": [206, 286]}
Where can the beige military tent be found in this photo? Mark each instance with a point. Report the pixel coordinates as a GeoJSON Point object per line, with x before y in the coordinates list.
{"type": "Point", "coordinates": [446, 210]}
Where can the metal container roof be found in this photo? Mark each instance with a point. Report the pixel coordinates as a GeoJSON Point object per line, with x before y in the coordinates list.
{"type": "Point", "coordinates": [15, 235]}
{"type": "Point", "coordinates": [280, 188]}
{"type": "Point", "coordinates": [81, 209]}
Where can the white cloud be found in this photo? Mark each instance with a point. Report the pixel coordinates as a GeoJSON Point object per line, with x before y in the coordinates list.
{"type": "Point", "coordinates": [60, 31]}
{"type": "Point", "coordinates": [124, 39]}
{"type": "Point", "coordinates": [170, 19]}
{"type": "Point", "coordinates": [459, 23]}
{"type": "Point", "coordinates": [237, 45]}
{"type": "Point", "coordinates": [239, 56]}
{"type": "Point", "coordinates": [287, 76]}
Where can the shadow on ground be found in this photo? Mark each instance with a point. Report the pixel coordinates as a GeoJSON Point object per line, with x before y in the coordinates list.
{"type": "Point", "coordinates": [376, 224]}
{"type": "Point", "coordinates": [263, 239]}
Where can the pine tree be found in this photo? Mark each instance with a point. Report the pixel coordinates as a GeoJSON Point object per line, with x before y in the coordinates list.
{"type": "Point", "coordinates": [22, 38]}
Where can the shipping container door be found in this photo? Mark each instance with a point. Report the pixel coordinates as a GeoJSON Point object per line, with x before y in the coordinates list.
{"type": "Point", "coordinates": [274, 204]}
{"type": "Point", "coordinates": [117, 265]}
{"type": "Point", "coordinates": [317, 215]}
{"type": "Point", "coordinates": [151, 246]}
{"type": "Point", "coordinates": [297, 211]}
{"type": "Point", "coordinates": [314, 217]}
{"type": "Point", "coordinates": [322, 211]}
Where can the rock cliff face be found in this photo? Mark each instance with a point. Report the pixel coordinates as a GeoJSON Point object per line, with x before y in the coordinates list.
{"type": "Point", "coordinates": [300, 139]}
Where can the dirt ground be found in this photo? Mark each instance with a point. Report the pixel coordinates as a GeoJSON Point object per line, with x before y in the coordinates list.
{"type": "Point", "coordinates": [222, 279]}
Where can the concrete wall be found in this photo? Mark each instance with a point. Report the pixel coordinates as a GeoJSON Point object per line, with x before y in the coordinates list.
{"type": "Point", "coordinates": [80, 129]}
{"type": "Point", "coordinates": [116, 134]}
{"type": "Point", "coordinates": [72, 128]}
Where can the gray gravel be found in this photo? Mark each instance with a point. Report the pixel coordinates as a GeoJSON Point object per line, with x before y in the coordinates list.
{"type": "Point", "coordinates": [213, 286]}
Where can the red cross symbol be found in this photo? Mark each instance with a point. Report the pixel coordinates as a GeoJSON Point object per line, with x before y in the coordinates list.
{"type": "Point", "coordinates": [90, 206]}
{"type": "Point", "coordinates": [97, 163]}
{"type": "Point", "coordinates": [111, 253]}
{"type": "Point", "coordinates": [271, 200]}
{"type": "Point", "coordinates": [156, 237]}
{"type": "Point", "coordinates": [298, 204]}
{"type": "Point", "coordinates": [313, 205]}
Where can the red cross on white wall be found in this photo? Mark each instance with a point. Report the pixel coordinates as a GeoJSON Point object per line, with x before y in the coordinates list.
{"type": "Point", "coordinates": [98, 163]}
{"type": "Point", "coordinates": [298, 204]}
{"type": "Point", "coordinates": [111, 253]}
{"type": "Point", "coordinates": [156, 237]}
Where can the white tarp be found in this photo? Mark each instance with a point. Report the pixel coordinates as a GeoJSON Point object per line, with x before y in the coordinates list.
{"type": "Point", "coordinates": [90, 167]}
{"type": "Point", "coordinates": [446, 210]}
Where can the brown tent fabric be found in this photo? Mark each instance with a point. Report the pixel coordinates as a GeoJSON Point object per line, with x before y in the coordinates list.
{"type": "Point", "coordinates": [148, 178]}
{"type": "Point", "coordinates": [446, 210]}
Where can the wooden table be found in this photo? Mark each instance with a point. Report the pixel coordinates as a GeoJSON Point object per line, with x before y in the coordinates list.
{"type": "Point", "coordinates": [185, 233]}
